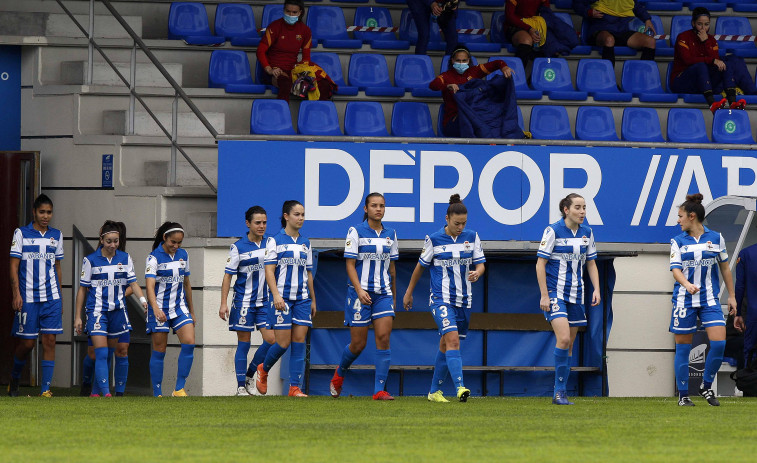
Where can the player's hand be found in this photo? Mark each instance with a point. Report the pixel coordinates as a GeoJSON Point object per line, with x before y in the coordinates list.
{"type": "Point", "coordinates": [595, 298]}
{"type": "Point", "coordinates": [732, 306]}
{"type": "Point", "coordinates": [597, 14]}
{"type": "Point", "coordinates": [650, 26]}
{"type": "Point", "coordinates": [312, 309]}
{"type": "Point", "coordinates": [436, 10]}
{"type": "Point", "coordinates": [18, 302]}
{"type": "Point", "coordinates": [720, 64]}
{"type": "Point", "coordinates": [223, 312]}
{"type": "Point", "coordinates": [692, 289]}
{"type": "Point", "coordinates": [159, 315]}
{"type": "Point", "coordinates": [535, 35]}
{"type": "Point", "coordinates": [78, 325]}
{"type": "Point", "coordinates": [364, 297]}
{"type": "Point", "coordinates": [702, 35]}
{"type": "Point", "coordinates": [544, 303]}
{"type": "Point", "coordinates": [278, 303]}
{"type": "Point", "coordinates": [407, 301]}
{"type": "Point", "coordinates": [738, 323]}
{"type": "Point", "coordinates": [474, 275]}
{"type": "Point", "coordinates": [507, 71]}
{"type": "Point", "coordinates": [453, 88]}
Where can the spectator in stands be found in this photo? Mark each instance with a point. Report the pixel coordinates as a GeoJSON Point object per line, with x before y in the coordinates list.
{"type": "Point", "coordinates": [446, 16]}
{"type": "Point", "coordinates": [746, 308]}
{"type": "Point", "coordinates": [608, 26]}
{"type": "Point", "coordinates": [697, 67]}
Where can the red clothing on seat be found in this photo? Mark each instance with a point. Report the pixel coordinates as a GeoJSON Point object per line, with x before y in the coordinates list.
{"type": "Point", "coordinates": [516, 10]}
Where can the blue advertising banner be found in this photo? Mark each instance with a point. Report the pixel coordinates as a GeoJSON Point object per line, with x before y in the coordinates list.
{"type": "Point", "coordinates": [107, 177]}
{"type": "Point", "coordinates": [10, 98]}
{"type": "Point", "coordinates": [511, 192]}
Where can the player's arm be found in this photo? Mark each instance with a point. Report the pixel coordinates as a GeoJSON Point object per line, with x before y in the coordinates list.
{"type": "Point", "coordinates": [362, 294]}
{"type": "Point", "coordinates": [135, 289]}
{"type": "Point", "coordinates": [153, 300]}
{"type": "Point", "coordinates": [223, 312]}
{"type": "Point", "coordinates": [541, 278]}
{"type": "Point", "coordinates": [270, 279]}
{"type": "Point", "coordinates": [18, 301]}
{"type": "Point", "coordinates": [188, 294]}
{"type": "Point", "coordinates": [81, 296]}
{"type": "Point", "coordinates": [311, 291]}
{"type": "Point", "coordinates": [681, 279]}
{"type": "Point", "coordinates": [393, 283]}
{"type": "Point", "coordinates": [591, 267]}
{"type": "Point", "coordinates": [58, 274]}
{"type": "Point", "coordinates": [407, 301]}
{"type": "Point", "coordinates": [725, 270]}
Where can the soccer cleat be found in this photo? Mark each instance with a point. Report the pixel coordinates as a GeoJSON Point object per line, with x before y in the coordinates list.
{"type": "Point", "coordinates": [85, 390]}
{"type": "Point", "coordinates": [463, 393]}
{"type": "Point", "coordinates": [685, 402]}
{"type": "Point", "coordinates": [242, 391]}
{"type": "Point", "coordinates": [119, 394]}
{"type": "Point", "coordinates": [709, 396]}
{"type": "Point", "coordinates": [94, 395]}
{"type": "Point", "coordinates": [336, 384]}
{"type": "Point", "coordinates": [108, 395]}
{"type": "Point", "coordinates": [722, 104]}
{"type": "Point", "coordinates": [382, 395]}
{"type": "Point", "coordinates": [48, 393]}
{"type": "Point", "coordinates": [738, 104]}
{"type": "Point", "coordinates": [249, 385]}
{"type": "Point", "coordinates": [437, 397]}
{"type": "Point", "coordinates": [561, 398]}
{"type": "Point", "coordinates": [13, 387]}
{"type": "Point", "coordinates": [261, 380]}
{"type": "Point", "coordinates": [295, 391]}
{"type": "Point", "coordinates": [179, 393]}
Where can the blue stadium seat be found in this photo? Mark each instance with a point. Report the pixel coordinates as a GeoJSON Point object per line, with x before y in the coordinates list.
{"type": "Point", "coordinates": [550, 123]}
{"type": "Point", "coordinates": [364, 119]}
{"type": "Point", "coordinates": [522, 91]}
{"type": "Point", "coordinates": [445, 63]}
{"type": "Point", "coordinates": [271, 117]}
{"type": "Point", "coordinates": [411, 119]}
{"type": "Point", "coordinates": [642, 78]}
{"type": "Point", "coordinates": [597, 77]}
{"type": "Point", "coordinates": [271, 13]}
{"type": "Point", "coordinates": [369, 73]}
{"type": "Point", "coordinates": [497, 28]}
{"type": "Point", "coordinates": [641, 124]}
{"type": "Point", "coordinates": [329, 27]}
{"type": "Point", "coordinates": [392, 2]}
{"type": "Point", "coordinates": [409, 32]}
{"type": "Point", "coordinates": [734, 25]}
{"type": "Point", "coordinates": [188, 21]}
{"type": "Point", "coordinates": [472, 19]}
{"type": "Point", "coordinates": [731, 126]}
{"type": "Point", "coordinates": [230, 70]}
{"type": "Point", "coordinates": [664, 5]}
{"type": "Point", "coordinates": [686, 125]}
{"type": "Point", "coordinates": [663, 49]}
{"type": "Point", "coordinates": [413, 73]}
{"type": "Point", "coordinates": [236, 22]}
{"type": "Point", "coordinates": [595, 123]}
{"type": "Point", "coordinates": [552, 76]}
{"type": "Point", "coordinates": [682, 23]}
{"type": "Point", "coordinates": [564, 4]}
{"type": "Point", "coordinates": [260, 78]}
{"type": "Point", "coordinates": [439, 126]}
{"type": "Point", "coordinates": [350, 1]}
{"type": "Point", "coordinates": [714, 6]}
{"type": "Point", "coordinates": [492, 3]}
{"type": "Point", "coordinates": [318, 118]}
{"type": "Point", "coordinates": [330, 63]}
{"type": "Point", "coordinates": [376, 16]}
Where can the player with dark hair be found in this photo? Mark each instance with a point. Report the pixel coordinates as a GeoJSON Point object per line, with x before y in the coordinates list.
{"type": "Point", "coordinates": [450, 252]}
{"type": "Point", "coordinates": [695, 257]}
{"type": "Point", "coordinates": [567, 245]}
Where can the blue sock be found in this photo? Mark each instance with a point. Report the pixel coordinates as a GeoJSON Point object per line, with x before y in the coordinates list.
{"type": "Point", "coordinates": [383, 360]}
{"type": "Point", "coordinates": [562, 369]}
{"type": "Point", "coordinates": [186, 357]}
{"type": "Point", "coordinates": [681, 364]}
{"type": "Point", "coordinates": [111, 354]}
{"type": "Point", "coordinates": [156, 372]}
{"type": "Point", "coordinates": [258, 358]}
{"type": "Point", "coordinates": [88, 369]}
{"type": "Point", "coordinates": [121, 373]}
{"type": "Point", "coordinates": [297, 364]}
{"type": "Point", "coordinates": [47, 374]}
{"type": "Point", "coordinates": [713, 362]}
{"type": "Point", "coordinates": [440, 371]}
{"type": "Point", "coordinates": [455, 365]}
{"type": "Point", "coordinates": [18, 367]}
{"type": "Point", "coordinates": [101, 371]}
{"type": "Point", "coordinates": [273, 356]}
{"type": "Point", "coordinates": [240, 361]}
{"type": "Point", "coordinates": [347, 358]}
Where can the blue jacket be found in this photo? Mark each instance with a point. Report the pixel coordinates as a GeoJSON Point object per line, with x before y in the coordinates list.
{"type": "Point", "coordinates": [746, 277]}
{"type": "Point", "coordinates": [561, 38]}
{"type": "Point", "coordinates": [488, 109]}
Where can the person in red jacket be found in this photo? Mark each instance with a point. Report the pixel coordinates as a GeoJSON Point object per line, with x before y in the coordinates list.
{"type": "Point", "coordinates": [522, 35]}
{"type": "Point", "coordinates": [458, 73]}
{"type": "Point", "coordinates": [697, 67]}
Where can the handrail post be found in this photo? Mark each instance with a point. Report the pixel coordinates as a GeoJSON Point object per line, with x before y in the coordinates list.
{"type": "Point", "coordinates": [174, 139]}
{"type": "Point", "coordinates": [132, 87]}
{"type": "Point", "coordinates": [90, 47]}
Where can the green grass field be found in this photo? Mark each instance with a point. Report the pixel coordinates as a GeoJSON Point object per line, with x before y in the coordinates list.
{"type": "Point", "coordinates": [243, 429]}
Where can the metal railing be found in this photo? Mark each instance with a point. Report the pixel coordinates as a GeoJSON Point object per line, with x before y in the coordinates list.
{"type": "Point", "coordinates": [131, 84]}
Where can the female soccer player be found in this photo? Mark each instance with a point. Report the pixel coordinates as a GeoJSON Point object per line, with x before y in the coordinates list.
{"type": "Point", "coordinates": [36, 252]}
{"type": "Point", "coordinates": [450, 252]}
{"type": "Point", "coordinates": [566, 245]}
{"type": "Point", "coordinates": [249, 310]}
{"type": "Point", "coordinates": [288, 265]}
{"type": "Point", "coordinates": [170, 295]}
{"type": "Point", "coordinates": [105, 276]}
{"type": "Point", "coordinates": [695, 256]}
{"type": "Point", "coordinates": [370, 252]}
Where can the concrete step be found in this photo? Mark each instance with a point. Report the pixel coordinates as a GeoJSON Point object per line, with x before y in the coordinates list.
{"type": "Point", "coordinates": [156, 173]}
{"type": "Point", "coordinates": [60, 25]}
{"type": "Point", "coordinates": [115, 123]}
{"type": "Point", "coordinates": [75, 73]}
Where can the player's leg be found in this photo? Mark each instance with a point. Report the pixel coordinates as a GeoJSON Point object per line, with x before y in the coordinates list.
{"type": "Point", "coordinates": [683, 324]}
{"type": "Point", "coordinates": [606, 40]}
{"type": "Point", "coordinates": [242, 321]}
{"type": "Point", "coordinates": [639, 41]}
{"type": "Point", "coordinates": [357, 316]}
{"type": "Point", "coordinates": [382, 328]}
{"type": "Point", "coordinates": [280, 321]}
{"type": "Point", "coordinates": [186, 334]}
{"type": "Point", "coordinates": [712, 320]}
{"type": "Point", "coordinates": [455, 363]}
{"type": "Point", "coordinates": [100, 384]}
{"type": "Point", "coordinates": [440, 374]}
{"type": "Point", "coordinates": [23, 347]}
{"type": "Point", "coordinates": [50, 325]}
{"type": "Point", "coordinates": [562, 329]}
{"type": "Point", "coordinates": [159, 341]}
{"type": "Point", "coordinates": [261, 319]}
{"type": "Point", "coordinates": [121, 370]}
{"type": "Point", "coordinates": [300, 324]}
{"type": "Point", "coordinates": [88, 370]}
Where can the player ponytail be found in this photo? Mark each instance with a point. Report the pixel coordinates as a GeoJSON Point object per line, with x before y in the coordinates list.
{"type": "Point", "coordinates": [456, 206]}
{"type": "Point", "coordinates": [252, 211]}
{"type": "Point", "coordinates": [286, 209]}
{"type": "Point", "coordinates": [368, 199]}
{"type": "Point", "coordinates": [111, 226]}
{"type": "Point", "coordinates": [693, 204]}
{"type": "Point", "coordinates": [567, 201]}
{"type": "Point", "coordinates": [167, 229]}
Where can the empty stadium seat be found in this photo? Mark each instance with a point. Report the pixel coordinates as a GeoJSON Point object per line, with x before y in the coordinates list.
{"type": "Point", "coordinates": [414, 73]}
{"type": "Point", "coordinates": [329, 27]}
{"type": "Point", "coordinates": [714, 6]}
{"type": "Point", "coordinates": [236, 22]}
{"type": "Point", "coordinates": [409, 32]}
{"type": "Point", "coordinates": [522, 90]}
{"type": "Point", "coordinates": [370, 74]}
{"type": "Point", "coordinates": [230, 70]}
{"type": "Point", "coordinates": [642, 78]}
{"type": "Point", "coordinates": [439, 125]}
{"type": "Point", "coordinates": [376, 16]}
{"type": "Point", "coordinates": [330, 63]}
{"type": "Point", "coordinates": [392, 2]}
{"type": "Point", "coordinates": [680, 24]}
{"type": "Point", "coordinates": [472, 19]}
{"type": "Point", "coordinates": [597, 77]}
{"type": "Point", "coordinates": [734, 25]}
{"type": "Point", "coordinates": [318, 118]}
{"type": "Point", "coordinates": [686, 125]}
{"type": "Point", "coordinates": [664, 5]}
{"type": "Point", "coordinates": [271, 117]}
{"type": "Point", "coordinates": [550, 123]}
{"type": "Point", "coordinates": [641, 124]}
{"type": "Point", "coordinates": [271, 13]}
{"type": "Point", "coordinates": [364, 119]}
{"type": "Point", "coordinates": [731, 126]}
{"type": "Point", "coordinates": [411, 119]}
{"type": "Point", "coordinates": [595, 123]}
{"type": "Point", "coordinates": [492, 3]}
{"type": "Point", "coordinates": [497, 27]}
{"type": "Point", "coordinates": [552, 76]}
{"type": "Point", "coordinates": [188, 21]}
{"type": "Point", "coordinates": [445, 63]}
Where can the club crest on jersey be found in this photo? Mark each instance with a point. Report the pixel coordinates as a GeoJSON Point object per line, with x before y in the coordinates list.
{"type": "Point", "coordinates": [120, 267]}
{"type": "Point", "coordinates": [97, 326]}
{"type": "Point", "coordinates": [305, 248]}
{"type": "Point", "coordinates": [242, 320]}
{"type": "Point", "coordinates": [280, 319]}
{"type": "Point", "coordinates": [182, 263]}
{"type": "Point", "coordinates": [52, 241]}
{"type": "Point", "coordinates": [584, 240]}
{"type": "Point", "coordinates": [298, 37]}
{"type": "Point", "coordinates": [445, 322]}
{"type": "Point", "coordinates": [348, 243]}
{"type": "Point", "coordinates": [20, 328]}
{"type": "Point", "coordinates": [710, 246]}
{"type": "Point", "coordinates": [466, 245]}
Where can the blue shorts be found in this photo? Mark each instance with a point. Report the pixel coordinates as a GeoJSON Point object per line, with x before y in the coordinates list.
{"type": "Point", "coordinates": [450, 318]}
{"type": "Point", "coordinates": [248, 318]}
{"type": "Point", "coordinates": [38, 317]}
{"type": "Point", "coordinates": [296, 312]}
{"type": "Point", "coordinates": [358, 314]}
{"type": "Point", "coordinates": [562, 309]}
{"type": "Point", "coordinates": [684, 320]}
{"type": "Point", "coordinates": [154, 326]}
{"type": "Point", "coordinates": [124, 338]}
{"type": "Point", "coordinates": [112, 323]}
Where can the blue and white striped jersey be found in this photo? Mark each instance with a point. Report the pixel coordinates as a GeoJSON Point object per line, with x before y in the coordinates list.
{"type": "Point", "coordinates": [38, 252]}
{"type": "Point", "coordinates": [292, 257]}
{"type": "Point", "coordinates": [566, 253]}
{"type": "Point", "coordinates": [247, 261]}
{"type": "Point", "coordinates": [107, 280]}
{"type": "Point", "coordinates": [698, 260]}
{"type": "Point", "coordinates": [372, 252]}
{"type": "Point", "coordinates": [450, 260]}
{"type": "Point", "coordinates": [169, 273]}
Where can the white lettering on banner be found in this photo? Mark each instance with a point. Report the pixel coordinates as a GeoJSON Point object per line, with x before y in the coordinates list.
{"type": "Point", "coordinates": [486, 188]}
{"type": "Point", "coordinates": [383, 185]}
{"type": "Point", "coordinates": [644, 196]}
{"type": "Point", "coordinates": [692, 170]}
{"type": "Point", "coordinates": [663, 190]}
{"type": "Point", "coordinates": [734, 164]}
{"type": "Point", "coordinates": [431, 195]}
{"type": "Point", "coordinates": [558, 164]}
{"type": "Point", "coordinates": [314, 157]}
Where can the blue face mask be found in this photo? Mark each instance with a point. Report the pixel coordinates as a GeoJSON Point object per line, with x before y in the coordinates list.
{"type": "Point", "coordinates": [460, 67]}
{"type": "Point", "coordinates": [291, 19]}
